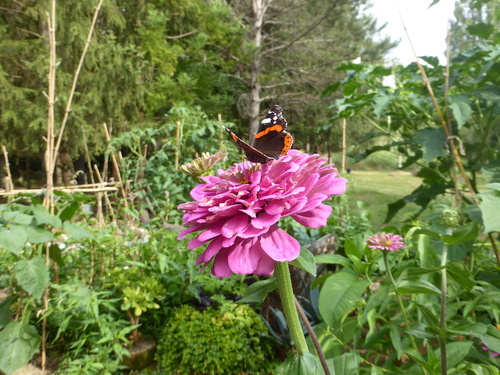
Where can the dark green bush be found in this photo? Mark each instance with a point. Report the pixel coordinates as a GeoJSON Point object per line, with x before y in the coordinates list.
{"type": "Point", "coordinates": [215, 341]}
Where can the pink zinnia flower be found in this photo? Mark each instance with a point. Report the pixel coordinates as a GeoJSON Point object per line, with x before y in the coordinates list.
{"type": "Point", "coordinates": [386, 242]}
{"type": "Point", "coordinates": [238, 211]}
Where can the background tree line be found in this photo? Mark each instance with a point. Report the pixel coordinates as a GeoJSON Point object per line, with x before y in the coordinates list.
{"type": "Point", "coordinates": [233, 58]}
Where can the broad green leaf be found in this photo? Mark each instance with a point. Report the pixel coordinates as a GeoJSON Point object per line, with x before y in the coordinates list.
{"type": "Point", "coordinates": [431, 318]}
{"type": "Point", "coordinates": [17, 217]}
{"type": "Point", "coordinates": [455, 352]}
{"type": "Point", "coordinates": [490, 207]}
{"type": "Point", "coordinates": [411, 272]}
{"type": "Point", "coordinates": [481, 29]}
{"type": "Point", "coordinates": [433, 142]}
{"type": "Point", "coordinates": [39, 235]}
{"type": "Point", "coordinates": [43, 216]}
{"type": "Point", "coordinates": [461, 275]}
{"type": "Point", "coordinates": [257, 292]}
{"type": "Point", "coordinates": [355, 247]}
{"type": "Point", "coordinates": [304, 364]}
{"type": "Point", "coordinates": [346, 364]}
{"type": "Point", "coordinates": [461, 109]}
{"type": "Point", "coordinates": [427, 232]}
{"type": "Point", "coordinates": [340, 294]}
{"type": "Point", "coordinates": [396, 340]}
{"type": "Point", "coordinates": [70, 211]}
{"type": "Point", "coordinates": [5, 311]}
{"type": "Point", "coordinates": [13, 238]}
{"type": "Point", "coordinates": [462, 234]}
{"type": "Point", "coordinates": [416, 287]}
{"type": "Point", "coordinates": [32, 275]}
{"type": "Point", "coordinates": [305, 261]}
{"type": "Point", "coordinates": [76, 231]}
{"type": "Point", "coordinates": [491, 342]}
{"type": "Point", "coordinates": [333, 259]}
{"type": "Point", "coordinates": [20, 342]}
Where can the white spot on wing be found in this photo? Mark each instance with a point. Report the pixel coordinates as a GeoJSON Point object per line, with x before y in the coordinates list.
{"type": "Point", "coordinates": [266, 120]}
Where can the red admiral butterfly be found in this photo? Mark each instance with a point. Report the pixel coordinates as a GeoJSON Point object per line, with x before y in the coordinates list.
{"type": "Point", "coordinates": [271, 141]}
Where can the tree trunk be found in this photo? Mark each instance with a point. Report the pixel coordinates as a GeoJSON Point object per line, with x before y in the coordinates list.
{"type": "Point", "coordinates": [259, 10]}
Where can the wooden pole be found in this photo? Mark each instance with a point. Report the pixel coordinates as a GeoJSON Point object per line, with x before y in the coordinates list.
{"type": "Point", "coordinates": [9, 185]}
{"type": "Point", "coordinates": [115, 165]}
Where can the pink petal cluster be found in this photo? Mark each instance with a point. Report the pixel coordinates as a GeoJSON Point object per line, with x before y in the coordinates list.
{"type": "Point", "coordinates": [386, 242]}
{"type": "Point", "coordinates": [237, 211]}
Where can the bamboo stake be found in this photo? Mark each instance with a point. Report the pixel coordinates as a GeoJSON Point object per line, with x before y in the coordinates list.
{"type": "Point", "coordinates": [49, 160]}
{"type": "Point", "coordinates": [66, 190]}
{"type": "Point", "coordinates": [106, 198]}
{"type": "Point", "coordinates": [87, 155]}
{"type": "Point", "coordinates": [115, 165]}
{"type": "Point", "coordinates": [8, 184]}
{"type": "Point", "coordinates": [75, 80]}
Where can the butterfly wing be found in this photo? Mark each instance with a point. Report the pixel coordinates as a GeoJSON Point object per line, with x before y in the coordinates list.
{"type": "Point", "coordinates": [251, 153]}
{"type": "Point", "coordinates": [272, 139]}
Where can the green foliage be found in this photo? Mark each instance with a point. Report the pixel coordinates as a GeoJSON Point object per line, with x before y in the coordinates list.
{"type": "Point", "coordinates": [228, 340]}
{"type": "Point", "coordinates": [408, 125]}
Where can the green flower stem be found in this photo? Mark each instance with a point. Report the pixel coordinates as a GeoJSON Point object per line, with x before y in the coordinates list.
{"type": "Point", "coordinates": [401, 306]}
{"type": "Point", "coordinates": [282, 274]}
{"type": "Point", "coordinates": [442, 323]}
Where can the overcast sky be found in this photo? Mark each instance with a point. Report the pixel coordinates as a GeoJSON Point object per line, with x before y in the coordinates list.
{"type": "Point", "coordinates": [427, 26]}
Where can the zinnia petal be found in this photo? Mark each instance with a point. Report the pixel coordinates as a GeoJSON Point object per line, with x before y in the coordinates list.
{"type": "Point", "coordinates": [238, 211]}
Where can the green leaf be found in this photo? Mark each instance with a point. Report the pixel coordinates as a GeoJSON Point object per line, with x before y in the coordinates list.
{"type": "Point", "coordinates": [427, 232]}
{"type": "Point", "coordinates": [490, 207]}
{"type": "Point", "coordinates": [340, 294]}
{"type": "Point", "coordinates": [20, 342]}
{"type": "Point", "coordinates": [491, 342]}
{"type": "Point", "coordinates": [417, 287]}
{"type": "Point", "coordinates": [433, 142]}
{"type": "Point", "coordinates": [43, 216]}
{"type": "Point", "coordinates": [32, 275]}
{"type": "Point", "coordinates": [304, 364]}
{"type": "Point", "coordinates": [456, 352]}
{"type": "Point", "coordinates": [13, 239]}
{"type": "Point", "coordinates": [333, 259]}
{"type": "Point", "coordinates": [428, 315]}
{"type": "Point", "coordinates": [355, 246]}
{"type": "Point", "coordinates": [69, 212]}
{"type": "Point", "coordinates": [39, 235]}
{"type": "Point", "coordinates": [481, 29]}
{"type": "Point", "coordinates": [461, 109]}
{"type": "Point", "coordinates": [257, 292]}
{"type": "Point", "coordinates": [5, 311]}
{"type": "Point", "coordinates": [76, 231]}
{"type": "Point", "coordinates": [17, 217]}
{"type": "Point", "coordinates": [461, 275]}
{"type": "Point", "coordinates": [412, 272]}
{"type": "Point", "coordinates": [462, 234]}
{"type": "Point", "coordinates": [305, 261]}
{"type": "Point", "coordinates": [396, 340]}
{"type": "Point", "coordinates": [346, 364]}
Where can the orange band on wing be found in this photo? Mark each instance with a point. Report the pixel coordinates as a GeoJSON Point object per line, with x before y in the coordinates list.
{"type": "Point", "coordinates": [288, 142]}
{"type": "Point", "coordinates": [274, 128]}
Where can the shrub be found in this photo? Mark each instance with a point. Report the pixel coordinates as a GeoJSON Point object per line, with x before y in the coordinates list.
{"type": "Point", "coordinates": [215, 341]}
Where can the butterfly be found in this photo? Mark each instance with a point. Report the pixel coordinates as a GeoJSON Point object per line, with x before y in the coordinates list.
{"type": "Point", "coordinates": [271, 141]}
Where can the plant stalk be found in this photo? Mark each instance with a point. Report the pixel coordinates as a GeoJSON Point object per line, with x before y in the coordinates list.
{"type": "Point", "coordinates": [442, 322]}
{"type": "Point", "coordinates": [282, 274]}
{"type": "Point", "coordinates": [401, 305]}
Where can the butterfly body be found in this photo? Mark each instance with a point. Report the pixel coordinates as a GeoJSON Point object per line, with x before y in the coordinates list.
{"type": "Point", "coordinates": [271, 140]}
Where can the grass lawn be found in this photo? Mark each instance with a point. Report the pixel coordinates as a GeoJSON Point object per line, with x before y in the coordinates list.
{"type": "Point", "coordinates": [379, 188]}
